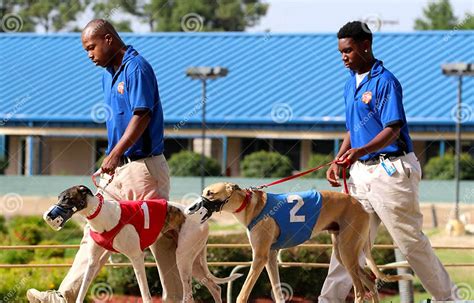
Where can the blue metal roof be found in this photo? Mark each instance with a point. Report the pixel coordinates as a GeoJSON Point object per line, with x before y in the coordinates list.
{"type": "Point", "coordinates": [49, 79]}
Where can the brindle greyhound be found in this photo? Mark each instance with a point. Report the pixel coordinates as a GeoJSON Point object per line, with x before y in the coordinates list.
{"type": "Point", "coordinates": [338, 213]}
{"type": "Point", "coordinates": [191, 244]}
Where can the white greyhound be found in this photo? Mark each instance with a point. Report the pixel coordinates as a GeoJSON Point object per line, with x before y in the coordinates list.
{"type": "Point", "coordinates": [130, 229]}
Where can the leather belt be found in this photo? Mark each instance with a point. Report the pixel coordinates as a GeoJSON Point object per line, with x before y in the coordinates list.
{"type": "Point", "coordinates": [376, 159]}
{"type": "Point", "coordinates": [125, 160]}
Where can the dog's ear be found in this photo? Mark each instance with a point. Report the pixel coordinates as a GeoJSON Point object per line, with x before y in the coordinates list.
{"type": "Point", "coordinates": [84, 190]}
{"type": "Point", "coordinates": [230, 187]}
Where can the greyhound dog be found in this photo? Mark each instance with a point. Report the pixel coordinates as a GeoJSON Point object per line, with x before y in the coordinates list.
{"type": "Point", "coordinates": [131, 226]}
{"type": "Point", "coordinates": [286, 220]}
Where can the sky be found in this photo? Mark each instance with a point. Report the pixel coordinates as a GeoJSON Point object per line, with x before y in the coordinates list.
{"type": "Point", "coordinates": [329, 16]}
{"type": "Point", "coordinates": [318, 16]}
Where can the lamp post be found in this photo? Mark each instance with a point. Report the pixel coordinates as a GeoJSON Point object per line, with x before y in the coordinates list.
{"type": "Point", "coordinates": [459, 70]}
{"type": "Point", "coordinates": [205, 73]}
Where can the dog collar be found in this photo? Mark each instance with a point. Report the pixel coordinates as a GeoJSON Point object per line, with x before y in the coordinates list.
{"type": "Point", "coordinates": [248, 196]}
{"type": "Point", "coordinates": [99, 207]}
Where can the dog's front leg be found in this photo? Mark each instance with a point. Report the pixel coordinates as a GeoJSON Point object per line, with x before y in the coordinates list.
{"type": "Point", "coordinates": [138, 263]}
{"type": "Point", "coordinates": [95, 252]}
{"type": "Point", "coordinates": [272, 269]}
{"type": "Point", "coordinates": [261, 238]}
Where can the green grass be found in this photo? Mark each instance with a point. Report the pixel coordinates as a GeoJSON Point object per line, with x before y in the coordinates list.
{"type": "Point", "coordinates": [213, 226]}
{"type": "Point", "coordinates": [461, 276]}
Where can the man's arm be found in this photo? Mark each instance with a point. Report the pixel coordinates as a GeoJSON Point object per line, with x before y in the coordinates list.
{"type": "Point", "coordinates": [386, 137]}
{"type": "Point", "coordinates": [133, 132]}
{"type": "Point", "coordinates": [332, 174]}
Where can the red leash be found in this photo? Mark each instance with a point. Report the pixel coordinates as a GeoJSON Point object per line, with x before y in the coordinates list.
{"type": "Point", "coordinates": [346, 163]}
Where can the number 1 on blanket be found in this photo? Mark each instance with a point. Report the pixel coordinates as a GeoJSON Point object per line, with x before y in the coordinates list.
{"type": "Point", "coordinates": [146, 213]}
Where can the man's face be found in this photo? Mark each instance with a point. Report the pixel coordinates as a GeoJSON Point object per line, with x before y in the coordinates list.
{"type": "Point", "coordinates": [98, 48]}
{"type": "Point", "coordinates": [352, 53]}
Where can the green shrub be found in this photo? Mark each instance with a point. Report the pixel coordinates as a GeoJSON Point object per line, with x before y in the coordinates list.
{"type": "Point", "coordinates": [442, 168]}
{"type": "Point", "coordinates": [46, 254]}
{"type": "Point", "coordinates": [187, 163]}
{"type": "Point", "coordinates": [316, 160]}
{"type": "Point", "coordinates": [263, 164]}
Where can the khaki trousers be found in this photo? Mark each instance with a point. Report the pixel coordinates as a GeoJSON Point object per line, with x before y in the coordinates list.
{"type": "Point", "coordinates": [138, 180]}
{"type": "Point", "coordinates": [392, 200]}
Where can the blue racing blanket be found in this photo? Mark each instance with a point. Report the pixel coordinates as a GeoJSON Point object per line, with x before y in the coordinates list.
{"type": "Point", "coordinates": [295, 213]}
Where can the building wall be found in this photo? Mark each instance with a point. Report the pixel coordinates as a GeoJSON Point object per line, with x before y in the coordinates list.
{"type": "Point", "coordinates": [14, 156]}
{"type": "Point", "coordinates": [69, 156]}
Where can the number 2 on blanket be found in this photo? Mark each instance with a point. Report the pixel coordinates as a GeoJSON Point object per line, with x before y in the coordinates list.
{"type": "Point", "coordinates": [146, 214]}
{"type": "Point", "coordinates": [299, 203]}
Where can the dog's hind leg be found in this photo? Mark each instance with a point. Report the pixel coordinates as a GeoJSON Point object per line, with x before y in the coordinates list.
{"type": "Point", "coordinates": [272, 270]}
{"type": "Point", "coordinates": [202, 274]}
{"type": "Point", "coordinates": [350, 245]}
{"type": "Point", "coordinates": [192, 239]}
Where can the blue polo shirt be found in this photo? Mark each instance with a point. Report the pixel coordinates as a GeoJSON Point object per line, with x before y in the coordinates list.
{"type": "Point", "coordinates": [374, 105]}
{"type": "Point", "coordinates": [133, 87]}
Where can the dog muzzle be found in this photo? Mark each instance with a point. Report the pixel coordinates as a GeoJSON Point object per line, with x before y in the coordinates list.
{"type": "Point", "coordinates": [197, 212]}
{"type": "Point", "coordinates": [57, 216]}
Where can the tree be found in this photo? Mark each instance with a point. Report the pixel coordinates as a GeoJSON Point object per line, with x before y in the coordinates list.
{"type": "Point", "coordinates": [196, 15]}
{"type": "Point", "coordinates": [108, 10]}
{"type": "Point", "coordinates": [51, 15]}
{"type": "Point", "coordinates": [437, 16]}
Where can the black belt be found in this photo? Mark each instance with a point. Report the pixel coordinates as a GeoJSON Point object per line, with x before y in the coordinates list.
{"type": "Point", "coordinates": [124, 159]}
{"type": "Point", "coordinates": [376, 159]}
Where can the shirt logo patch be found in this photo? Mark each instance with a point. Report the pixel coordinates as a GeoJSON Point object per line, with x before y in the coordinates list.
{"type": "Point", "coordinates": [120, 88]}
{"type": "Point", "coordinates": [366, 97]}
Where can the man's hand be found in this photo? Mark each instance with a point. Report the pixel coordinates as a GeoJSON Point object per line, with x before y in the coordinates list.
{"type": "Point", "coordinates": [110, 163]}
{"type": "Point", "coordinates": [332, 175]}
{"type": "Point", "coordinates": [352, 155]}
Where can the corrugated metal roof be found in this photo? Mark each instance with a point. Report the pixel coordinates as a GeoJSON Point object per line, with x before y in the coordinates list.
{"type": "Point", "coordinates": [49, 77]}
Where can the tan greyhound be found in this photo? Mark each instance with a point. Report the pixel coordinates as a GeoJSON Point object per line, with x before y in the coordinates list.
{"type": "Point", "coordinates": [338, 213]}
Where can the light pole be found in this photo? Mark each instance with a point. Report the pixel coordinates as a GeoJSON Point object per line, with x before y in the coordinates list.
{"type": "Point", "coordinates": [205, 73]}
{"type": "Point", "coordinates": [459, 70]}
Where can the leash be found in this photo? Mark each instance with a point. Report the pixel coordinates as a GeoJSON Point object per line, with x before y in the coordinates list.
{"type": "Point", "coordinates": [346, 163]}
{"type": "Point", "coordinates": [98, 174]}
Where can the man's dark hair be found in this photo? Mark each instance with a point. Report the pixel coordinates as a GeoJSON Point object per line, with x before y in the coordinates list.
{"type": "Point", "coordinates": [359, 31]}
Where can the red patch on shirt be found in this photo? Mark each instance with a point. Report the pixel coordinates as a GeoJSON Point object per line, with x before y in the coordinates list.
{"type": "Point", "coordinates": [366, 97]}
{"type": "Point", "coordinates": [121, 88]}
{"type": "Point", "coordinates": [133, 212]}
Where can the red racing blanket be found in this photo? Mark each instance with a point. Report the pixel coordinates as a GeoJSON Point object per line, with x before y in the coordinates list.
{"type": "Point", "coordinates": [148, 218]}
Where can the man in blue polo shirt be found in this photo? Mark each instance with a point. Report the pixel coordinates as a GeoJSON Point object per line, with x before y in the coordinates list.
{"type": "Point", "coordinates": [134, 155]}
{"type": "Point", "coordinates": [385, 172]}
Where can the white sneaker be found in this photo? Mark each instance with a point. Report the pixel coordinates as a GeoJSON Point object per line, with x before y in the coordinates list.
{"type": "Point", "coordinates": [49, 296]}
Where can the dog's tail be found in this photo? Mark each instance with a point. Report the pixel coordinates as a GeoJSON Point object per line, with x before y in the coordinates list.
{"type": "Point", "coordinates": [377, 272]}
{"type": "Point", "coordinates": [209, 275]}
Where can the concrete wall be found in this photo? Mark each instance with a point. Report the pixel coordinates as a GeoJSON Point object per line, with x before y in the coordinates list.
{"type": "Point", "coordinates": [66, 156]}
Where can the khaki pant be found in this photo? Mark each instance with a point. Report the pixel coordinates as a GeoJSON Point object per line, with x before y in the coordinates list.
{"type": "Point", "coordinates": [392, 200]}
{"type": "Point", "coordinates": [138, 180]}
